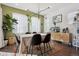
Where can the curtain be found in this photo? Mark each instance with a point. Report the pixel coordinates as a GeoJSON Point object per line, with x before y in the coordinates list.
{"type": "Point", "coordinates": [22, 26]}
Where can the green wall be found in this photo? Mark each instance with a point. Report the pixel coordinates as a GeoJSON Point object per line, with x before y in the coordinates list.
{"type": "Point", "coordinates": [9, 10]}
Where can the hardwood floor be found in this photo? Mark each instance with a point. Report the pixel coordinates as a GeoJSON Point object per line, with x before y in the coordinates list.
{"type": "Point", "coordinates": [63, 50]}
{"type": "Point", "coordinates": [58, 49]}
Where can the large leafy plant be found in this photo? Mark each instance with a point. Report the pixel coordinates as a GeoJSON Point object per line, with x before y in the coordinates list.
{"type": "Point", "coordinates": [8, 22]}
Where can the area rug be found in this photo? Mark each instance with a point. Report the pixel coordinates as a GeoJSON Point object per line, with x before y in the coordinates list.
{"type": "Point", "coordinates": [11, 54]}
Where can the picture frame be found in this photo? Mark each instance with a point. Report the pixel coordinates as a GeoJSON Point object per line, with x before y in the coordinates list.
{"type": "Point", "coordinates": [57, 18]}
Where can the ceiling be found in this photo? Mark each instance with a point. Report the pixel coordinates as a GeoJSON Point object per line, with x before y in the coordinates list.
{"type": "Point", "coordinates": [34, 6]}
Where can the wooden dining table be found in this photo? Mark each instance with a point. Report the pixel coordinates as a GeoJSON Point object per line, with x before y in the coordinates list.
{"type": "Point", "coordinates": [25, 40]}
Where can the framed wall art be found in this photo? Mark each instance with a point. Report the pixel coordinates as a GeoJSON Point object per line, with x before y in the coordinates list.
{"type": "Point", "coordinates": [57, 18]}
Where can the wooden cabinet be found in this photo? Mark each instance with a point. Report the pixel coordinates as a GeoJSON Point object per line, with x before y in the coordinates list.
{"type": "Point", "coordinates": [56, 36]}
{"type": "Point", "coordinates": [63, 37]}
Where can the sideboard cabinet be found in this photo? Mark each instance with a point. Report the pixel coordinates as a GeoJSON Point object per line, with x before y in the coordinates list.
{"type": "Point", "coordinates": [62, 37]}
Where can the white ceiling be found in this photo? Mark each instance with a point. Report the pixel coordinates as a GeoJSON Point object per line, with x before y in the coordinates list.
{"type": "Point", "coordinates": [34, 6]}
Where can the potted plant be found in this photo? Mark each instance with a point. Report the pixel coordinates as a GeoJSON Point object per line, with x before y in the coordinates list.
{"type": "Point", "coordinates": [8, 22]}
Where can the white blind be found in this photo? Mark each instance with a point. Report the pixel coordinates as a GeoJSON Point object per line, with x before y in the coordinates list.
{"type": "Point", "coordinates": [22, 26]}
{"type": "Point", "coordinates": [35, 24]}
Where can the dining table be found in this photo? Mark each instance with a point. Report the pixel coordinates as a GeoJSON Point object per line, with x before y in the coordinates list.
{"type": "Point", "coordinates": [25, 40]}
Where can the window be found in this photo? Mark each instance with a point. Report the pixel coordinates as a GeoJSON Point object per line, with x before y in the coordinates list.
{"type": "Point", "coordinates": [22, 26]}
{"type": "Point", "coordinates": [35, 24]}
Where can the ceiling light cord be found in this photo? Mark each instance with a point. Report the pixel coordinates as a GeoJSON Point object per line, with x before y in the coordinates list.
{"type": "Point", "coordinates": [44, 9]}
{"type": "Point", "coordinates": [39, 11]}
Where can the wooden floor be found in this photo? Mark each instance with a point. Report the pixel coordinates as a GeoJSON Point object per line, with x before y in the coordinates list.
{"type": "Point", "coordinates": [58, 49]}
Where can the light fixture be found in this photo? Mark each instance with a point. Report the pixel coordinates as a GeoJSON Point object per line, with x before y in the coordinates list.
{"type": "Point", "coordinates": [39, 11]}
{"type": "Point", "coordinates": [25, 9]}
{"type": "Point", "coordinates": [45, 9]}
{"type": "Point", "coordinates": [16, 4]}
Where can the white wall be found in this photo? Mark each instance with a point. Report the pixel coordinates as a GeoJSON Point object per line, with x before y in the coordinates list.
{"type": "Point", "coordinates": [2, 44]}
{"type": "Point", "coordinates": [47, 23]}
{"type": "Point", "coordinates": [64, 11]}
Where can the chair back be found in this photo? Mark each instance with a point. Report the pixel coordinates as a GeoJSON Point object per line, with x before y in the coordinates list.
{"type": "Point", "coordinates": [18, 41]}
{"type": "Point", "coordinates": [34, 32]}
{"type": "Point", "coordinates": [36, 39]}
{"type": "Point", "coordinates": [47, 38]}
{"type": "Point", "coordinates": [27, 33]}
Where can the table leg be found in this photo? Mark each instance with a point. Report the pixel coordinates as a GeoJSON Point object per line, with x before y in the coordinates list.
{"type": "Point", "coordinates": [20, 46]}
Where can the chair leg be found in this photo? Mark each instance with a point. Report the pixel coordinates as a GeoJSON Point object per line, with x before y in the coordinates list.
{"type": "Point", "coordinates": [27, 50]}
{"type": "Point", "coordinates": [17, 48]}
{"type": "Point", "coordinates": [49, 45]}
{"type": "Point", "coordinates": [40, 49]}
{"type": "Point", "coordinates": [26, 47]}
{"type": "Point", "coordinates": [31, 50]}
{"type": "Point", "coordinates": [44, 47]}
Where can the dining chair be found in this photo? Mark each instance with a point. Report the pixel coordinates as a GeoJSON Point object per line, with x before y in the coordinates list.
{"type": "Point", "coordinates": [36, 41]}
{"type": "Point", "coordinates": [16, 48]}
{"type": "Point", "coordinates": [34, 32]}
{"type": "Point", "coordinates": [27, 33]}
{"type": "Point", "coordinates": [46, 42]}
{"type": "Point", "coordinates": [17, 43]}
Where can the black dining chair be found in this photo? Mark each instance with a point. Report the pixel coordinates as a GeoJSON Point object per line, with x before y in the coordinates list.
{"type": "Point", "coordinates": [27, 33]}
{"type": "Point", "coordinates": [46, 42]}
{"type": "Point", "coordinates": [34, 32]}
{"type": "Point", "coordinates": [36, 41]}
{"type": "Point", "coordinates": [17, 43]}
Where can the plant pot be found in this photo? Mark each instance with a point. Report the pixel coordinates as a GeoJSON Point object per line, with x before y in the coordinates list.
{"type": "Point", "coordinates": [11, 40]}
